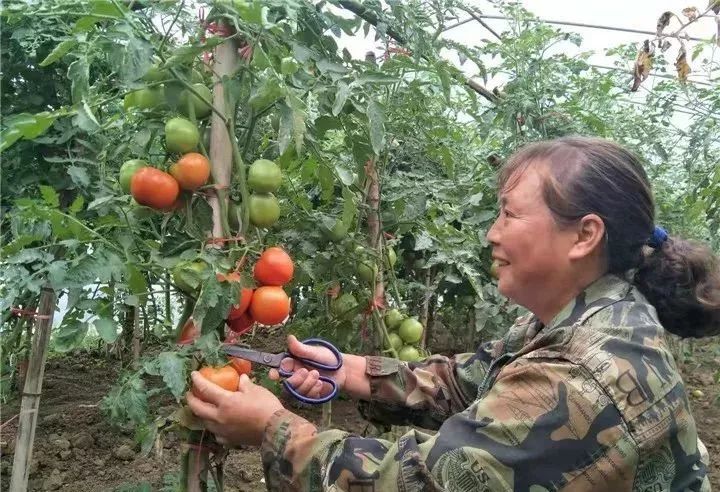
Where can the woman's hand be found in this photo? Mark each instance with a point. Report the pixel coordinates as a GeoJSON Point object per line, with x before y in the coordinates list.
{"type": "Point", "coordinates": [236, 417]}
{"type": "Point", "coordinates": [350, 377]}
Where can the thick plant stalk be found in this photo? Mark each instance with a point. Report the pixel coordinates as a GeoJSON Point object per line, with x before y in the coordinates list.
{"type": "Point", "coordinates": [137, 335]}
{"type": "Point", "coordinates": [31, 393]}
{"type": "Point", "coordinates": [221, 155]}
{"type": "Point", "coordinates": [424, 313]}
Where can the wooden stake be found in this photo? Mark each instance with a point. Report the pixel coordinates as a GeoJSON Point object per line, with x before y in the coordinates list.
{"type": "Point", "coordinates": [31, 393]}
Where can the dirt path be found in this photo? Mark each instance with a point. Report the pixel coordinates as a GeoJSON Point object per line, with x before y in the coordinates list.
{"type": "Point", "coordinates": [76, 449]}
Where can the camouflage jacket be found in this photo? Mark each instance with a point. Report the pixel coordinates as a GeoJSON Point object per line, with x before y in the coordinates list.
{"type": "Point", "coordinates": [592, 401]}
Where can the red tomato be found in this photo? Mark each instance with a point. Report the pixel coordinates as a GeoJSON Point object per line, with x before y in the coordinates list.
{"type": "Point", "coordinates": [241, 366]}
{"type": "Point", "coordinates": [226, 377]}
{"type": "Point", "coordinates": [241, 324]}
{"type": "Point", "coordinates": [243, 303]}
{"type": "Point", "coordinates": [275, 267]}
{"type": "Point", "coordinates": [192, 171]}
{"type": "Point", "coordinates": [189, 333]}
{"type": "Point", "coordinates": [154, 188]}
{"type": "Point", "coordinates": [270, 305]}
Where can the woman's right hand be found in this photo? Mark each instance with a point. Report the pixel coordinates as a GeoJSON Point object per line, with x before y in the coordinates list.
{"type": "Point", "coordinates": [350, 377]}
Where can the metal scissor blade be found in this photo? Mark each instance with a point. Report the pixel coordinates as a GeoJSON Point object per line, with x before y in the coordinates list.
{"type": "Point", "coordinates": [264, 358]}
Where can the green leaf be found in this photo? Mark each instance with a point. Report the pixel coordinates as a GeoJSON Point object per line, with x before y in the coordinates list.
{"type": "Point", "coordinates": [341, 95]}
{"type": "Point", "coordinates": [85, 119]}
{"type": "Point", "coordinates": [285, 128]}
{"type": "Point", "coordinates": [107, 8]}
{"type": "Point", "coordinates": [77, 204]}
{"type": "Point", "coordinates": [136, 282]}
{"type": "Point", "coordinates": [79, 75]}
{"type": "Point", "coordinates": [376, 78]}
{"type": "Point", "coordinates": [50, 196]}
{"type": "Point", "coordinates": [60, 50]}
{"type": "Point", "coordinates": [8, 137]}
{"type": "Point", "coordinates": [107, 329]}
{"type": "Point", "coordinates": [266, 94]}
{"type": "Point", "coordinates": [423, 241]}
{"type": "Point", "coordinates": [70, 334]}
{"type": "Point", "coordinates": [214, 303]}
{"type": "Point", "coordinates": [174, 372]}
{"type": "Point", "coordinates": [349, 207]}
{"type": "Point", "coordinates": [326, 66]}
{"type": "Point", "coordinates": [128, 401]}
{"type": "Point", "coordinates": [133, 58]}
{"type": "Point", "coordinates": [79, 176]}
{"type": "Point", "coordinates": [376, 118]}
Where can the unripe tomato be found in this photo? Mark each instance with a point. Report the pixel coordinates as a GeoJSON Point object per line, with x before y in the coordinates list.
{"type": "Point", "coordinates": [147, 98]}
{"type": "Point", "coordinates": [264, 176]}
{"type": "Point", "coordinates": [338, 232]}
{"type": "Point", "coordinates": [243, 303]}
{"type": "Point", "coordinates": [189, 333]}
{"type": "Point", "coordinates": [393, 318]}
{"type": "Point", "coordinates": [200, 107]}
{"type": "Point", "coordinates": [226, 377]}
{"type": "Point", "coordinates": [390, 257]}
{"type": "Point", "coordinates": [270, 305]}
{"type": "Point", "coordinates": [154, 188]}
{"type": "Point", "coordinates": [192, 171]}
{"type": "Point", "coordinates": [241, 366]}
{"type": "Point", "coordinates": [264, 209]}
{"type": "Point", "coordinates": [156, 74]}
{"type": "Point", "coordinates": [188, 275]}
{"type": "Point", "coordinates": [241, 324]}
{"type": "Point", "coordinates": [274, 267]}
{"type": "Point", "coordinates": [411, 330]}
{"type": "Point", "coordinates": [344, 305]}
{"type": "Point", "coordinates": [127, 170]}
{"type": "Point", "coordinates": [181, 135]}
{"type": "Point", "coordinates": [408, 353]}
{"type": "Point", "coordinates": [395, 340]}
{"type": "Point", "coordinates": [367, 270]}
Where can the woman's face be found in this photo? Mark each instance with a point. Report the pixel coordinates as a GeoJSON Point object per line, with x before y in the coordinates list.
{"type": "Point", "coordinates": [528, 247]}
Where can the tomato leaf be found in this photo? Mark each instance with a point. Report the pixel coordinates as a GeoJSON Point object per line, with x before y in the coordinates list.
{"type": "Point", "coordinates": [79, 75]}
{"type": "Point", "coordinates": [58, 52]}
{"type": "Point", "coordinates": [214, 303]}
{"type": "Point", "coordinates": [70, 334]}
{"type": "Point", "coordinates": [174, 372]}
{"type": "Point", "coordinates": [50, 196]}
{"type": "Point", "coordinates": [127, 401]}
{"type": "Point", "coordinates": [107, 329]}
{"type": "Point", "coordinates": [341, 95]}
{"type": "Point", "coordinates": [136, 282]}
{"type": "Point", "coordinates": [376, 117]}
{"type": "Point", "coordinates": [85, 119]}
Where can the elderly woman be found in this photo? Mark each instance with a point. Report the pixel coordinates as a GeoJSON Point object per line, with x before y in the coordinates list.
{"type": "Point", "coordinates": [582, 394]}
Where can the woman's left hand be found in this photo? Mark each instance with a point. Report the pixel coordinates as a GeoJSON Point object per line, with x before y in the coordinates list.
{"type": "Point", "coordinates": [237, 417]}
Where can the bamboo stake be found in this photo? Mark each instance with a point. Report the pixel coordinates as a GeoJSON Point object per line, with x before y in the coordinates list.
{"type": "Point", "coordinates": [31, 393]}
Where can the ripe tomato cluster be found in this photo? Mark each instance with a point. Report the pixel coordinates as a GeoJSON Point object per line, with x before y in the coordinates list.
{"type": "Point", "coordinates": [268, 304]}
{"type": "Point", "coordinates": [157, 189]}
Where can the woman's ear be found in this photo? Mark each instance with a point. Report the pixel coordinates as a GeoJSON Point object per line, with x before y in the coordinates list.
{"type": "Point", "coordinates": [590, 238]}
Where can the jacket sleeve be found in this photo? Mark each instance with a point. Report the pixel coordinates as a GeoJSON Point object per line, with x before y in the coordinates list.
{"type": "Point", "coordinates": [543, 425]}
{"type": "Point", "coordinates": [423, 393]}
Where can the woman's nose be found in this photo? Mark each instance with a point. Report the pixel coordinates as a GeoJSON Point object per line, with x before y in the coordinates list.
{"type": "Point", "coordinates": [493, 234]}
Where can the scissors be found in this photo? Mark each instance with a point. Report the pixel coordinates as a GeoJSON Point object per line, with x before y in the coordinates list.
{"type": "Point", "coordinates": [274, 360]}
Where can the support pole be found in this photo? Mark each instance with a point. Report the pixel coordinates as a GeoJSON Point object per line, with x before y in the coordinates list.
{"type": "Point", "coordinates": [31, 392]}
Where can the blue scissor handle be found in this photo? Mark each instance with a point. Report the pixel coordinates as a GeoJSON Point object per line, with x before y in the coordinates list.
{"type": "Point", "coordinates": [317, 365]}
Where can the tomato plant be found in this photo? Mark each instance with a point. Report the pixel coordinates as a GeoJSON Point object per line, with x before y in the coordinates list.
{"type": "Point", "coordinates": [264, 209]}
{"type": "Point", "coordinates": [181, 135]}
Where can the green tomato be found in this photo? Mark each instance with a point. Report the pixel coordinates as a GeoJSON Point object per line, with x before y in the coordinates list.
{"type": "Point", "coordinates": [264, 209]}
{"type": "Point", "coordinates": [408, 353]}
{"type": "Point", "coordinates": [148, 98]}
{"type": "Point", "coordinates": [202, 110]}
{"type": "Point", "coordinates": [264, 176]}
{"type": "Point", "coordinates": [411, 330]}
{"type": "Point", "coordinates": [390, 257]}
{"type": "Point", "coordinates": [393, 318]}
{"type": "Point", "coordinates": [344, 305]}
{"type": "Point", "coordinates": [127, 170]}
{"type": "Point", "coordinates": [338, 232]}
{"type": "Point", "coordinates": [288, 65]}
{"type": "Point", "coordinates": [181, 136]}
{"type": "Point", "coordinates": [367, 271]}
{"type": "Point", "coordinates": [187, 276]}
{"type": "Point", "coordinates": [156, 74]}
{"type": "Point", "coordinates": [395, 341]}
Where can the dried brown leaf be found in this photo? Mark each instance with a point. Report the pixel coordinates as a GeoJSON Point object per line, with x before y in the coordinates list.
{"type": "Point", "coordinates": [682, 66]}
{"type": "Point", "coordinates": [691, 13]}
{"type": "Point", "coordinates": [663, 22]}
{"type": "Point", "coordinates": [643, 64]}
